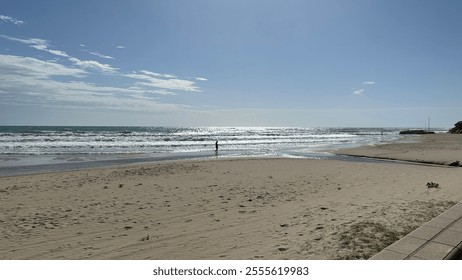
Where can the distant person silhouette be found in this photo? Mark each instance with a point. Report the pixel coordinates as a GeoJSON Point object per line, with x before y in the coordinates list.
{"type": "Point", "coordinates": [216, 146]}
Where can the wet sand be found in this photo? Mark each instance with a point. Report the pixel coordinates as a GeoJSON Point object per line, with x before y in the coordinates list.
{"type": "Point", "coordinates": [222, 209]}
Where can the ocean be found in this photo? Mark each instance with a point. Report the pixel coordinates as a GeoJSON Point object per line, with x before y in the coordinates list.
{"type": "Point", "coordinates": [23, 146]}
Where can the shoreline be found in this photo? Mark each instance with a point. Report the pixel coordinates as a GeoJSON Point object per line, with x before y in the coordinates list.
{"type": "Point", "coordinates": [53, 164]}
{"type": "Point", "coordinates": [252, 208]}
{"type": "Point", "coordinates": [79, 165]}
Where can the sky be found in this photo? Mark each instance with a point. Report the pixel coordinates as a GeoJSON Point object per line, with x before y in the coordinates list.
{"type": "Point", "coordinates": [311, 63]}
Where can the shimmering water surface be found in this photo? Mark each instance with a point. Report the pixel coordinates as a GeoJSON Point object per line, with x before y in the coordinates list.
{"type": "Point", "coordinates": [42, 145]}
{"type": "Point", "coordinates": [152, 140]}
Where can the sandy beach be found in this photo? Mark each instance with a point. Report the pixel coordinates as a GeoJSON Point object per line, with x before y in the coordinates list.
{"type": "Point", "coordinates": [230, 209]}
{"type": "Point", "coordinates": [441, 148]}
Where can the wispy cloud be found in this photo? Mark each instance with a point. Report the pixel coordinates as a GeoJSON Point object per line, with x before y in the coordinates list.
{"type": "Point", "coordinates": [158, 75]}
{"type": "Point", "coordinates": [27, 41]}
{"type": "Point", "coordinates": [95, 65]}
{"type": "Point", "coordinates": [144, 78]}
{"type": "Point", "coordinates": [362, 90]}
{"type": "Point", "coordinates": [36, 43]}
{"type": "Point", "coordinates": [43, 45]}
{"type": "Point", "coordinates": [46, 49]}
{"type": "Point", "coordinates": [101, 55]}
{"type": "Point", "coordinates": [95, 53]}
{"type": "Point", "coordinates": [4, 18]}
{"type": "Point", "coordinates": [65, 82]}
{"type": "Point", "coordinates": [164, 81]}
{"type": "Point", "coordinates": [30, 81]}
{"type": "Point", "coordinates": [120, 47]}
{"type": "Point", "coordinates": [28, 66]}
{"type": "Point", "coordinates": [359, 92]}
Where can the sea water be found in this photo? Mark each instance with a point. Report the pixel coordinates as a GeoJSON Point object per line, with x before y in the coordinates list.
{"type": "Point", "coordinates": [39, 145]}
{"type": "Point", "coordinates": [48, 140]}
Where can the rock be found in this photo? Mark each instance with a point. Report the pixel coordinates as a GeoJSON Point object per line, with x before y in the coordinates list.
{"type": "Point", "coordinates": [416, 131]}
{"type": "Point", "coordinates": [457, 129]}
{"type": "Point", "coordinates": [433, 185]}
{"type": "Point", "coordinates": [455, 163]}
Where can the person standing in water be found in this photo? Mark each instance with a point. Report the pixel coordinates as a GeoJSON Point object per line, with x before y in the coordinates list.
{"type": "Point", "coordinates": [216, 146]}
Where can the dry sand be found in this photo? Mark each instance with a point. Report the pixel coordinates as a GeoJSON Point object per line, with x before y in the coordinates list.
{"type": "Point", "coordinates": [221, 209]}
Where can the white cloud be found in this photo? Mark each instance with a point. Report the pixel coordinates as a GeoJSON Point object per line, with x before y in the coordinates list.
{"type": "Point", "coordinates": [58, 53]}
{"type": "Point", "coordinates": [28, 66]}
{"type": "Point", "coordinates": [369, 83]}
{"type": "Point", "coordinates": [144, 78]}
{"type": "Point", "coordinates": [168, 76]}
{"type": "Point", "coordinates": [11, 19]}
{"type": "Point", "coordinates": [163, 81]}
{"type": "Point", "coordinates": [64, 83]}
{"type": "Point", "coordinates": [166, 83]}
{"type": "Point", "coordinates": [91, 64]}
{"type": "Point", "coordinates": [43, 45]}
{"type": "Point", "coordinates": [359, 92]}
{"type": "Point", "coordinates": [95, 53]}
{"type": "Point", "coordinates": [46, 49]}
{"type": "Point", "coordinates": [28, 41]}
{"type": "Point", "coordinates": [101, 55]}
{"type": "Point", "coordinates": [40, 47]}
{"type": "Point", "coordinates": [120, 47]}
{"type": "Point", "coordinates": [30, 81]}
{"type": "Point", "coordinates": [38, 44]}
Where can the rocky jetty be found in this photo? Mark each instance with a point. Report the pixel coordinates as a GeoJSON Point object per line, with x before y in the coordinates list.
{"type": "Point", "coordinates": [416, 131]}
{"type": "Point", "coordinates": [457, 129]}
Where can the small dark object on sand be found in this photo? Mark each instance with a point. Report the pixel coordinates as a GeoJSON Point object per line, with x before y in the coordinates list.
{"type": "Point", "coordinates": [433, 185]}
{"type": "Point", "coordinates": [455, 163]}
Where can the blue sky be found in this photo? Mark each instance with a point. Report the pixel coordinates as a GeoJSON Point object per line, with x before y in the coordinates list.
{"type": "Point", "coordinates": [231, 62]}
